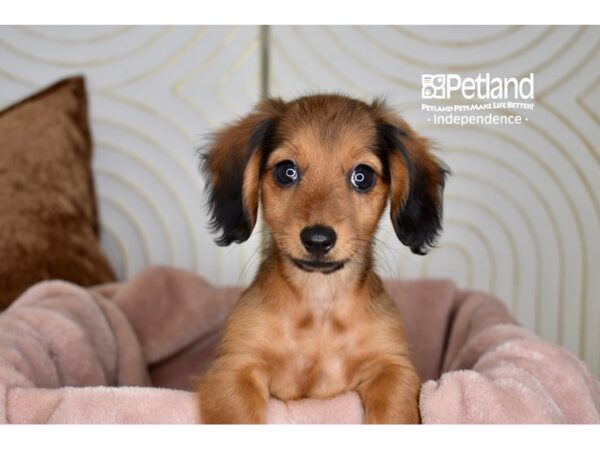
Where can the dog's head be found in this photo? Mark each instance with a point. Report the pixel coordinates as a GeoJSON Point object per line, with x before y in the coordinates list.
{"type": "Point", "coordinates": [324, 167]}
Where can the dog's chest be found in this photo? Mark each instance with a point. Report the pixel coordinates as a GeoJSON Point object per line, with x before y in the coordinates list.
{"type": "Point", "coordinates": [318, 341]}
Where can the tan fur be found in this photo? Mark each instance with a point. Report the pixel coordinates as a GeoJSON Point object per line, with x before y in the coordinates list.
{"type": "Point", "coordinates": [295, 334]}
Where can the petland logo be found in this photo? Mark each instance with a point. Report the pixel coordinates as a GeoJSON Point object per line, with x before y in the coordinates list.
{"type": "Point", "coordinates": [442, 86]}
{"type": "Point", "coordinates": [480, 100]}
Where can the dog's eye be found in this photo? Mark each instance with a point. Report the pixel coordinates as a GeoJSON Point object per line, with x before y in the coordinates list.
{"type": "Point", "coordinates": [286, 173]}
{"type": "Point", "coordinates": [362, 178]}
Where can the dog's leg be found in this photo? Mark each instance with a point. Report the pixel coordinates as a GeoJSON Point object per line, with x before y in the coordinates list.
{"type": "Point", "coordinates": [391, 395]}
{"type": "Point", "coordinates": [234, 390]}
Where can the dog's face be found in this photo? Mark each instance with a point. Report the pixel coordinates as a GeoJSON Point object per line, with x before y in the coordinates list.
{"type": "Point", "coordinates": [323, 186]}
{"type": "Point", "coordinates": [324, 168]}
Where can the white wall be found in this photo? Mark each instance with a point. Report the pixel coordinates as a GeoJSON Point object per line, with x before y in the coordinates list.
{"type": "Point", "coordinates": [522, 213]}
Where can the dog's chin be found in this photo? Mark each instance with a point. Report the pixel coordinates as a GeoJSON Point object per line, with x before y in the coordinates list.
{"type": "Point", "coordinates": [315, 265]}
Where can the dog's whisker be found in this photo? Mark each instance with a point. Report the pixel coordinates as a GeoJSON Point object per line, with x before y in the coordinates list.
{"type": "Point", "coordinates": [256, 252]}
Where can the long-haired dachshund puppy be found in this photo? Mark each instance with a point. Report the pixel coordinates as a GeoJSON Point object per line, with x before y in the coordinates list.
{"type": "Point", "coordinates": [316, 321]}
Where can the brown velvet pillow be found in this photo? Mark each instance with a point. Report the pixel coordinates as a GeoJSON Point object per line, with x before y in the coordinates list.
{"type": "Point", "coordinates": [48, 218]}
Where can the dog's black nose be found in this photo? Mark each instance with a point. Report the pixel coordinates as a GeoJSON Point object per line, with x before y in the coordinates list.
{"type": "Point", "coordinates": [318, 240]}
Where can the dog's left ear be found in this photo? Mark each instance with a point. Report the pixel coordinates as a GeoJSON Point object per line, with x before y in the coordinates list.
{"type": "Point", "coordinates": [232, 166]}
{"type": "Point", "coordinates": [417, 181]}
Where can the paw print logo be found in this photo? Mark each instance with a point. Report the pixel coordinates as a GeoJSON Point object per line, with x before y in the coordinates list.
{"type": "Point", "coordinates": [433, 86]}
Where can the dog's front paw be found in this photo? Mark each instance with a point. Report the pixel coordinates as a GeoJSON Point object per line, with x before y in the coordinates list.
{"type": "Point", "coordinates": [229, 394]}
{"type": "Point", "coordinates": [392, 396]}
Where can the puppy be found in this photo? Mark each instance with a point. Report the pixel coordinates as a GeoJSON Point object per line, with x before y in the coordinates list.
{"type": "Point", "coordinates": [316, 321]}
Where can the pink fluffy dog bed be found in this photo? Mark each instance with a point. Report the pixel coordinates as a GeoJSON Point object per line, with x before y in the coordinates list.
{"type": "Point", "coordinates": [129, 353]}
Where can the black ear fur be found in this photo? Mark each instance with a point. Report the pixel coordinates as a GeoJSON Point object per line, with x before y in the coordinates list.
{"type": "Point", "coordinates": [418, 222]}
{"type": "Point", "coordinates": [228, 214]}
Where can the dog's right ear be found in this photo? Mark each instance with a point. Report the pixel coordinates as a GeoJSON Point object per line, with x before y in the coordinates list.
{"type": "Point", "coordinates": [232, 165]}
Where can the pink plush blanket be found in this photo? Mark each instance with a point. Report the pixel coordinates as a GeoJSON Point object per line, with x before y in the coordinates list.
{"type": "Point", "coordinates": [130, 352]}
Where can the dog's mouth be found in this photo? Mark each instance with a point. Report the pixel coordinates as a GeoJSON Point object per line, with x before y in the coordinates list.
{"type": "Point", "coordinates": [316, 265]}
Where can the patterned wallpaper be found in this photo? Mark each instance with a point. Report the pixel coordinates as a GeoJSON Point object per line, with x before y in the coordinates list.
{"type": "Point", "coordinates": [522, 214]}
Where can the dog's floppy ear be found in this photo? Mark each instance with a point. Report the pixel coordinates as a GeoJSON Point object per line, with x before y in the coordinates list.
{"type": "Point", "coordinates": [232, 165]}
{"type": "Point", "coordinates": [417, 181]}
